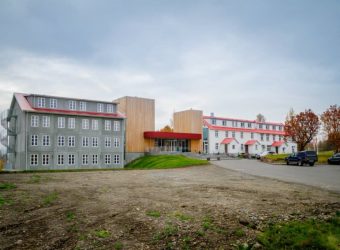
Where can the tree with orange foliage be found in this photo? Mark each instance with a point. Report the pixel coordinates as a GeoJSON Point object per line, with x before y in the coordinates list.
{"type": "Point", "coordinates": [331, 125]}
{"type": "Point", "coordinates": [302, 128]}
{"type": "Point", "coordinates": [167, 128]}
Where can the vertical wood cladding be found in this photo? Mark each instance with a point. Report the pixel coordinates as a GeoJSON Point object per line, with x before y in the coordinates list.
{"type": "Point", "coordinates": [190, 121]}
{"type": "Point", "coordinates": [140, 117]}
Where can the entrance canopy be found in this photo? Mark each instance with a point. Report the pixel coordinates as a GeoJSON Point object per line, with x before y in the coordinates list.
{"type": "Point", "coordinates": [277, 143]}
{"type": "Point", "coordinates": [251, 142]}
{"type": "Point", "coordinates": [227, 140]}
{"type": "Point", "coordinates": [171, 135]}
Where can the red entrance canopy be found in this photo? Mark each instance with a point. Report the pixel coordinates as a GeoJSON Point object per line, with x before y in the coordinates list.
{"type": "Point", "coordinates": [171, 135]}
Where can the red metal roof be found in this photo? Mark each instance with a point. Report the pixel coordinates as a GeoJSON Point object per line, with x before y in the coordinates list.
{"type": "Point", "coordinates": [277, 143]}
{"type": "Point", "coordinates": [171, 135]}
{"type": "Point", "coordinates": [241, 120]}
{"type": "Point", "coordinates": [251, 142]}
{"type": "Point", "coordinates": [26, 106]}
{"type": "Point", "coordinates": [227, 140]}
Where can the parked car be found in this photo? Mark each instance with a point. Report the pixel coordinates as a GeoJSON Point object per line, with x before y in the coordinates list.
{"type": "Point", "coordinates": [335, 159]}
{"type": "Point", "coordinates": [263, 154]}
{"type": "Point", "coordinates": [303, 157]}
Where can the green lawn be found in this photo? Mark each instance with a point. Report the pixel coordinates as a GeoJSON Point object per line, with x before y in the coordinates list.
{"type": "Point", "coordinates": [322, 156]}
{"type": "Point", "coordinates": [164, 161]}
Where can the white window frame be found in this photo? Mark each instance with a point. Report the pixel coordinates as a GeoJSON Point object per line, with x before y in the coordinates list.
{"type": "Point", "coordinates": [72, 105]}
{"type": "Point", "coordinates": [53, 103]}
{"type": "Point", "coordinates": [46, 121]}
{"type": "Point", "coordinates": [95, 125]}
{"type": "Point", "coordinates": [116, 126]}
{"type": "Point", "coordinates": [116, 159]}
{"type": "Point", "coordinates": [85, 159]}
{"type": "Point", "coordinates": [252, 135]}
{"type": "Point", "coordinates": [41, 102]}
{"type": "Point", "coordinates": [60, 159]}
{"type": "Point", "coordinates": [82, 106]}
{"type": "Point", "coordinates": [109, 108]}
{"type": "Point", "coordinates": [216, 133]}
{"type": "Point", "coordinates": [61, 122]}
{"type": "Point", "coordinates": [107, 125]}
{"type": "Point", "coordinates": [71, 159]}
{"type": "Point", "coordinates": [100, 107]}
{"type": "Point", "coordinates": [107, 159]}
{"type": "Point", "coordinates": [71, 141]}
{"type": "Point", "coordinates": [61, 141]}
{"type": "Point", "coordinates": [241, 135]}
{"type": "Point", "coordinates": [108, 142]}
{"type": "Point", "coordinates": [71, 123]}
{"type": "Point", "coordinates": [85, 141]}
{"type": "Point", "coordinates": [95, 142]}
{"type": "Point", "coordinates": [34, 121]}
{"type": "Point", "coordinates": [45, 159]}
{"type": "Point", "coordinates": [233, 134]}
{"type": "Point", "coordinates": [34, 140]}
{"type": "Point", "coordinates": [216, 146]}
{"type": "Point", "coordinates": [226, 134]}
{"type": "Point", "coordinates": [85, 123]}
{"type": "Point", "coordinates": [95, 159]}
{"type": "Point", "coordinates": [116, 142]}
{"type": "Point", "coordinates": [224, 123]}
{"type": "Point", "coordinates": [45, 141]}
{"type": "Point", "coordinates": [34, 160]}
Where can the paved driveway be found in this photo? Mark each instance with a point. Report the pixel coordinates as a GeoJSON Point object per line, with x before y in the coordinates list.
{"type": "Point", "coordinates": [324, 176]}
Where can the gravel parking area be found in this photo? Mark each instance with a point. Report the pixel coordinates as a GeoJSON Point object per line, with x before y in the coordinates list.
{"type": "Point", "coordinates": [203, 207]}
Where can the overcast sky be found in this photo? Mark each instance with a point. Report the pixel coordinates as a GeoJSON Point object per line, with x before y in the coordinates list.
{"type": "Point", "coordinates": [233, 58]}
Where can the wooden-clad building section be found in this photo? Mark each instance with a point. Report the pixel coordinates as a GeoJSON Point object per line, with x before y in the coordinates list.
{"type": "Point", "coordinates": [140, 117]}
{"type": "Point", "coordinates": [190, 121]}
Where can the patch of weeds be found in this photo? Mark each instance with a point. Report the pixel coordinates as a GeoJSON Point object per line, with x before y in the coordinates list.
{"type": "Point", "coordinates": [49, 199]}
{"type": "Point", "coordinates": [200, 233]}
{"type": "Point", "coordinates": [182, 217]}
{"type": "Point", "coordinates": [153, 213]}
{"type": "Point", "coordinates": [82, 237]}
{"type": "Point", "coordinates": [4, 201]}
{"type": "Point", "coordinates": [169, 230]}
{"type": "Point", "coordinates": [73, 229]}
{"type": "Point", "coordinates": [118, 245]}
{"type": "Point", "coordinates": [35, 179]}
{"type": "Point", "coordinates": [239, 232]}
{"type": "Point", "coordinates": [307, 234]}
{"type": "Point", "coordinates": [207, 223]}
{"type": "Point", "coordinates": [102, 234]}
{"type": "Point", "coordinates": [186, 242]}
{"type": "Point", "coordinates": [7, 186]}
{"type": "Point", "coordinates": [70, 216]}
{"type": "Point", "coordinates": [244, 246]}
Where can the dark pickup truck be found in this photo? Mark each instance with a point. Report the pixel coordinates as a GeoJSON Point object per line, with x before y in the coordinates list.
{"type": "Point", "coordinates": [300, 158]}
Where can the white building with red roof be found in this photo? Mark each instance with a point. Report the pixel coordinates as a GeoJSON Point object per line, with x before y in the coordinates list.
{"type": "Point", "coordinates": [235, 136]}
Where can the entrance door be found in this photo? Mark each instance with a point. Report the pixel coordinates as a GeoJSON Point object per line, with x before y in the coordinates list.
{"type": "Point", "coordinates": [277, 150]}
{"type": "Point", "coordinates": [247, 148]}
{"type": "Point", "coordinates": [226, 148]}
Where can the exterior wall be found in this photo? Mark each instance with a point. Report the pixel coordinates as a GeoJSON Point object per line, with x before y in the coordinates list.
{"type": "Point", "coordinates": [190, 121]}
{"type": "Point", "coordinates": [140, 113]}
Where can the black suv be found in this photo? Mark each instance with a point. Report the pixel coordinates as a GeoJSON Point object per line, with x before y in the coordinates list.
{"type": "Point", "coordinates": [302, 157]}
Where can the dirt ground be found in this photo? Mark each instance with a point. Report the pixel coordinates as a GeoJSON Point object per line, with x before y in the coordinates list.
{"type": "Point", "coordinates": [205, 207]}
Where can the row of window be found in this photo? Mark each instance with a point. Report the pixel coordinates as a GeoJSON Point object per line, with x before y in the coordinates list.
{"type": "Point", "coordinates": [70, 159]}
{"type": "Point", "coordinates": [233, 135]}
{"type": "Point", "coordinates": [247, 124]}
{"type": "Point", "coordinates": [71, 141]}
{"type": "Point", "coordinates": [71, 123]}
{"type": "Point", "coordinates": [73, 105]}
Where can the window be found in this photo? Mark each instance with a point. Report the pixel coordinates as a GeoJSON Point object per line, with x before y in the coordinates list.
{"type": "Point", "coordinates": [34, 121]}
{"type": "Point", "coordinates": [256, 146]}
{"type": "Point", "coordinates": [241, 135]}
{"type": "Point", "coordinates": [82, 106]}
{"type": "Point", "coordinates": [41, 102]}
{"type": "Point", "coordinates": [267, 126]}
{"type": "Point", "coordinates": [107, 159]}
{"type": "Point", "coordinates": [34, 160]}
{"type": "Point", "coordinates": [71, 141]}
{"type": "Point", "coordinates": [107, 142]}
{"type": "Point", "coordinates": [109, 108]}
{"type": "Point", "coordinates": [216, 133]}
{"type": "Point", "coordinates": [293, 149]}
{"type": "Point", "coordinates": [61, 141]}
{"type": "Point", "coordinates": [61, 122]}
{"type": "Point", "coordinates": [95, 124]}
{"type": "Point", "coordinates": [280, 138]}
{"type": "Point", "coordinates": [46, 121]}
{"type": "Point", "coordinates": [242, 147]}
{"type": "Point", "coordinates": [249, 125]}
{"type": "Point", "coordinates": [60, 160]}
{"type": "Point", "coordinates": [226, 134]}
{"type": "Point", "coordinates": [46, 140]}
{"type": "Point", "coordinates": [116, 126]}
{"type": "Point", "coordinates": [116, 159]}
{"type": "Point", "coordinates": [233, 146]}
{"type": "Point", "coordinates": [45, 159]}
{"type": "Point", "coordinates": [100, 107]}
{"type": "Point", "coordinates": [94, 159]}
{"type": "Point", "coordinates": [267, 137]}
{"type": "Point", "coordinates": [107, 125]}
{"type": "Point", "coordinates": [233, 134]}
{"type": "Point", "coordinates": [213, 121]}
{"type": "Point", "coordinates": [242, 124]}
{"type": "Point", "coordinates": [260, 126]}
{"type": "Point", "coordinates": [71, 159]}
{"type": "Point", "coordinates": [94, 141]}
{"type": "Point", "coordinates": [280, 127]}
{"type": "Point", "coordinates": [85, 141]}
{"type": "Point", "coordinates": [269, 147]}
{"type": "Point", "coordinates": [85, 123]}
{"type": "Point", "coordinates": [252, 135]}
{"type": "Point", "coordinates": [116, 142]}
{"type": "Point", "coordinates": [71, 123]}
{"type": "Point", "coordinates": [224, 123]}
{"type": "Point", "coordinates": [263, 147]}
{"type": "Point", "coordinates": [34, 140]}
{"type": "Point", "coordinates": [53, 103]}
{"type": "Point", "coordinates": [274, 127]}
{"type": "Point", "coordinates": [216, 146]}
{"type": "Point", "coordinates": [72, 105]}
{"type": "Point", "coordinates": [234, 124]}
{"type": "Point", "coordinates": [85, 159]}
{"type": "Point", "coordinates": [274, 137]}
{"type": "Point", "coordinates": [261, 137]}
